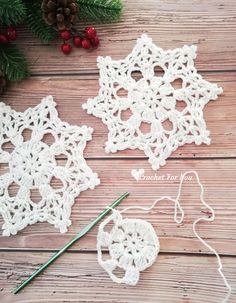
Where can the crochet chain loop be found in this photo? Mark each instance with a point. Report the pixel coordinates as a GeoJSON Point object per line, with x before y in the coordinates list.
{"type": "Point", "coordinates": [210, 219]}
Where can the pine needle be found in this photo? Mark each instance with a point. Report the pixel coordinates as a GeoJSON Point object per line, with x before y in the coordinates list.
{"type": "Point", "coordinates": [36, 23]}
{"type": "Point", "coordinates": [13, 62]}
{"type": "Point", "coordinates": [12, 12]}
{"type": "Point", "coordinates": [100, 10]}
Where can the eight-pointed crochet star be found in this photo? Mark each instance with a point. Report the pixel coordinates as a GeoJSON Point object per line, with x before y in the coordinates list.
{"type": "Point", "coordinates": [33, 165]}
{"type": "Point", "coordinates": [173, 116]}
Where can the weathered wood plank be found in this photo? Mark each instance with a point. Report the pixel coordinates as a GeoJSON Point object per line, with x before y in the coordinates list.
{"type": "Point", "coordinates": [218, 177]}
{"type": "Point", "coordinates": [78, 277]}
{"type": "Point", "coordinates": [211, 25]}
{"type": "Point", "coordinates": [71, 92]}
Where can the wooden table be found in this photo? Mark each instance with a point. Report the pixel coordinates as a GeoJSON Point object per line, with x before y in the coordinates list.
{"type": "Point", "coordinates": [185, 271]}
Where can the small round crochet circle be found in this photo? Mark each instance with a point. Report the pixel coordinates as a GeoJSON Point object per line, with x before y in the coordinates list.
{"type": "Point", "coordinates": [32, 164]}
{"type": "Point", "coordinates": [132, 244]}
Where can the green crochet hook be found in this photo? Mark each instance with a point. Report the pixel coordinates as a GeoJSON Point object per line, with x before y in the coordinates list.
{"type": "Point", "coordinates": [83, 232]}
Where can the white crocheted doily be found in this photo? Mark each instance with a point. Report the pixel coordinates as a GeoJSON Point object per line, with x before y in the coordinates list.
{"type": "Point", "coordinates": [132, 244]}
{"type": "Point", "coordinates": [172, 115]}
{"type": "Point", "coordinates": [32, 165]}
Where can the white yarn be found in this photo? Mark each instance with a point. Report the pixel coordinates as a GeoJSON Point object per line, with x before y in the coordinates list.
{"type": "Point", "coordinates": [105, 239]}
{"type": "Point", "coordinates": [153, 100]}
{"type": "Point", "coordinates": [133, 246]}
{"type": "Point", "coordinates": [32, 165]}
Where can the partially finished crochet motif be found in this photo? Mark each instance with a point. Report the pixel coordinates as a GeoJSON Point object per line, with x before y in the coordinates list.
{"type": "Point", "coordinates": [133, 246]}
{"type": "Point", "coordinates": [32, 165]}
{"type": "Point", "coordinates": [173, 116]}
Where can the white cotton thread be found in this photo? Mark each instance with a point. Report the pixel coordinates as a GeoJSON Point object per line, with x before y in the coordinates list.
{"type": "Point", "coordinates": [133, 246]}
{"type": "Point", "coordinates": [103, 237]}
{"type": "Point", "coordinates": [174, 115]}
{"type": "Point", "coordinates": [33, 165]}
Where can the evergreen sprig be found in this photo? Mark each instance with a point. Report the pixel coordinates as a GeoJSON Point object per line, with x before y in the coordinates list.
{"type": "Point", "coordinates": [100, 10]}
{"type": "Point", "coordinates": [12, 12]}
{"type": "Point", "coordinates": [36, 23]}
{"type": "Point", "coordinates": [13, 63]}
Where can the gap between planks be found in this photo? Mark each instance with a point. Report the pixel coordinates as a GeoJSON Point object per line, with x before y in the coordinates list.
{"type": "Point", "coordinates": [95, 74]}
{"type": "Point", "coordinates": [172, 278]}
{"type": "Point", "coordinates": [72, 92]}
{"type": "Point", "coordinates": [76, 251]}
{"type": "Point", "coordinates": [219, 193]}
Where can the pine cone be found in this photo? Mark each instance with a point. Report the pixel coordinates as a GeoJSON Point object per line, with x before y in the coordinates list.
{"type": "Point", "coordinates": [3, 83]}
{"type": "Point", "coordinates": [61, 14]}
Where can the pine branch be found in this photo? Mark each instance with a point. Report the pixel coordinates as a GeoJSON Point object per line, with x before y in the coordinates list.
{"type": "Point", "coordinates": [100, 10]}
{"type": "Point", "coordinates": [36, 23]}
{"type": "Point", "coordinates": [12, 12]}
{"type": "Point", "coordinates": [13, 62]}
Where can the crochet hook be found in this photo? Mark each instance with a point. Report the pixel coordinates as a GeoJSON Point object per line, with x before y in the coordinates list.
{"type": "Point", "coordinates": [83, 232]}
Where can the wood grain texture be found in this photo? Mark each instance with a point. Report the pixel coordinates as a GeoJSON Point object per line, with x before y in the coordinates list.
{"type": "Point", "coordinates": [115, 176]}
{"type": "Point", "coordinates": [72, 91]}
{"type": "Point", "coordinates": [208, 24]}
{"type": "Point", "coordinates": [77, 277]}
{"type": "Point", "coordinates": [184, 271]}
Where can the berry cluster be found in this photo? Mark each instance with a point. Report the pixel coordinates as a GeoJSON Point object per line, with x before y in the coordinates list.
{"type": "Point", "coordinates": [86, 39]}
{"type": "Point", "coordinates": [10, 35]}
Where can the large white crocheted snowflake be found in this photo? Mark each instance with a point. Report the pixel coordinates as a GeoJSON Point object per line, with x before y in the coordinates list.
{"type": "Point", "coordinates": [171, 115]}
{"type": "Point", "coordinates": [33, 165]}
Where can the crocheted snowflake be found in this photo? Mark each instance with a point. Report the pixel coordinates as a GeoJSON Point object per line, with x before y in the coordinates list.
{"type": "Point", "coordinates": [33, 165]}
{"type": "Point", "coordinates": [162, 116]}
{"type": "Point", "coordinates": [132, 244]}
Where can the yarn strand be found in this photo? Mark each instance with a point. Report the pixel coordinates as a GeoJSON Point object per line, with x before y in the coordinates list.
{"type": "Point", "coordinates": [178, 221]}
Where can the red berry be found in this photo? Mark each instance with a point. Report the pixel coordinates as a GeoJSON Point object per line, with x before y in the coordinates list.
{"type": "Point", "coordinates": [3, 39]}
{"type": "Point", "coordinates": [90, 32]}
{"type": "Point", "coordinates": [11, 33]}
{"type": "Point", "coordinates": [66, 48]}
{"type": "Point", "coordinates": [77, 41]}
{"type": "Point", "coordinates": [94, 41]}
{"type": "Point", "coordinates": [86, 43]}
{"type": "Point", "coordinates": [65, 35]}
